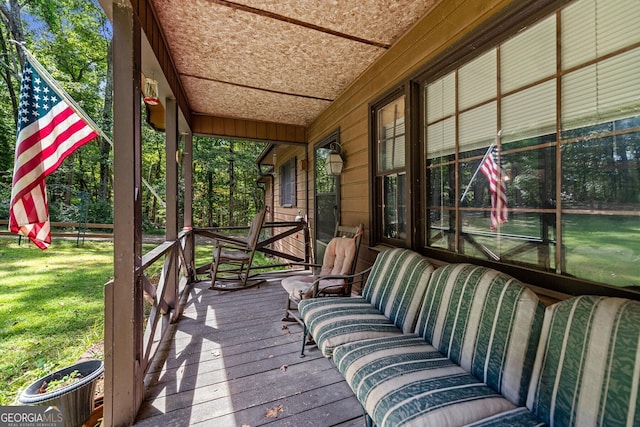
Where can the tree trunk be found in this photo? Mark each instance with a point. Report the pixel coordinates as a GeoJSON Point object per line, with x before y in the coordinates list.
{"type": "Point", "coordinates": [13, 19]}
{"type": "Point", "coordinates": [210, 198]}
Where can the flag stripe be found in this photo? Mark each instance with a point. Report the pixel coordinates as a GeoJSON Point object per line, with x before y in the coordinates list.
{"type": "Point", "coordinates": [49, 130]}
{"type": "Point", "coordinates": [49, 146]}
{"type": "Point", "coordinates": [492, 171]}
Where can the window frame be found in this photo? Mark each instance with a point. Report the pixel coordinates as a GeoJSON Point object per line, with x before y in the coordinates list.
{"type": "Point", "coordinates": [497, 29]}
{"type": "Point", "coordinates": [288, 180]}
{"type": "Point", "coordinates": [376, 195]}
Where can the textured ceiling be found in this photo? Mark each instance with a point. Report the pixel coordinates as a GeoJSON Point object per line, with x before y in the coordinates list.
{"type": "Point", "coordinates": [280, 61]}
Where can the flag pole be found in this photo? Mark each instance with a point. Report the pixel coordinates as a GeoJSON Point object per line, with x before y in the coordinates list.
{"type": "Point", "coordinates": [76, 108]}
{"type": "Point", "coordinates": [466, 190]}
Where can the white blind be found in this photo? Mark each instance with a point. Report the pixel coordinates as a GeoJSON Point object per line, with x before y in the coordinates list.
{"type": "Point", "coordinates": [477, 80]}
{"type": "Point", "coordinates": [478, 127]}
{"type": "Point", "coordinates": [441, 138]}
{"type": "Point", "coordinates": [591, 29]}
{"type": "Point", "coordinates": [607, 90]}
{"type": "Point", "coordinates": [528, 57]}
{"type": "Point", "coordinates": [441, 98]}
{"type": "Point", "coordinates": [529, 113]}
{"type": "Point", "coordinates": [391, 136]}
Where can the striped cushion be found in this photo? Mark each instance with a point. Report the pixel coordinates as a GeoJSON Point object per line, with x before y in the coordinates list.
{"type": "Point", "coordinates": [402, 381]}
{"type": "Point", "coordinates": [390, 304]}
{"type": "Point", "coordinates": [396, 285]}
{"type": "Point", "coordinates": [587, 370]}
{"type": "Point", "coordinates": [517, 417]}
{"type": "Point", "coordinates": [334, 321]}
{"type": "Point", "coordinates": [486, 322]}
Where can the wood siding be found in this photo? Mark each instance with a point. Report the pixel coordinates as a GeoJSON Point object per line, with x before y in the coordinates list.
{"type": "Point", "coordinates": [293, 244]}
{"type": "Point", "coordinates": [430, 37]}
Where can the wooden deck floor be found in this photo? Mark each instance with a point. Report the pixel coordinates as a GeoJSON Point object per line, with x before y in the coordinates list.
{"type": "Point", "coordinates": [231, 363]}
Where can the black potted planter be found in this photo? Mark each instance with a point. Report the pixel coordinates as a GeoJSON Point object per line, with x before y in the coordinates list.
{"type": "Point", "coordinates": [75, 400]}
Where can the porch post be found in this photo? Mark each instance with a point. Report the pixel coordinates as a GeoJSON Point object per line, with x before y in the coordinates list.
{"type": "Point", "coordinates": [187, 168]}
{"type": "Point", "coordinates": [171, 226]}
{"type": "Point", "coordinates": [123, 333]}
{"type": "Point", "coordinates": [187, 175]}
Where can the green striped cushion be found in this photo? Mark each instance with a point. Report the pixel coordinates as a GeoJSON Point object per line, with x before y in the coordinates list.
{"type": "Point", "coordinates": [485, 321]}
{"type": "Point", "coordinates": [402, 380]}
{"type": "Point", "coordinates": [334, 321]}
{"type": "Point", "coordinates": [390, 303]}
{"type": "Point", "coordinates": [396, 285]}
{"type": "Point", "coordinates": [587, 371]}
{"type": "Point", "coordinates": [517, 417]}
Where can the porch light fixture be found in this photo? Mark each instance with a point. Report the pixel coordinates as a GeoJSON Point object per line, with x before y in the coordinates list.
{"type": "Point", "coordinates": [151, 92]}
{"type": "Point", "coordinates": [333, 164]}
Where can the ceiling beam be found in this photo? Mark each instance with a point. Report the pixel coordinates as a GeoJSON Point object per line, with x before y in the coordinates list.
{"type": "Point", "coordinates": [278, 92]}
{"type": "Point", "coordinates": [293, 21]}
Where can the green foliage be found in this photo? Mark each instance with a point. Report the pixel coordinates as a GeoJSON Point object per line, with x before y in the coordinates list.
{"type": "Point", "coordinates": [225, 195]}
{"type": "Point", "coordinates": [71, 39]}
{"type": "Point", "coordinates": [7, 143]}
{"type": "Point", "coordinates": [59, 383]}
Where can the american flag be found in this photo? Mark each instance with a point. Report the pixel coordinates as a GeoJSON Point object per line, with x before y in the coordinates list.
{"type": "Point", "coordinates": [49, 130]}
{"type": "Point", "coordinates": [493, 172]}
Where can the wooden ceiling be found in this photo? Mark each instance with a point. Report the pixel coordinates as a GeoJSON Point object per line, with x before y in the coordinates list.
{"type": "Point", "coordinates": [279, 62]}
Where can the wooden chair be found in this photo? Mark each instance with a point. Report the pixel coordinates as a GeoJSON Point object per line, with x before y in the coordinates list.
{"type": "Point", "coordinates": [336, 275]}
{"type": "Point", "coordinates": [233, 256]}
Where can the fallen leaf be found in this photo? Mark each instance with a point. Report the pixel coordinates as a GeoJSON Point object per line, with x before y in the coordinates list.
{"type": "Point", "coordinates": [283, 368]}
{"type": "Point", "coordinates": [284, 327]}
{"type": "Point", "coordinates": [274, 412]}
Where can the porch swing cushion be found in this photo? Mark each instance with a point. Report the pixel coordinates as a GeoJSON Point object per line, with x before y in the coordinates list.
{"type": "Point", "coordinates": [338, 259]}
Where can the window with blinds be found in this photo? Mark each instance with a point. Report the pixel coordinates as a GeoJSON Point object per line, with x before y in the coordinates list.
{"type": "Point", "coordinates": [559, 99]}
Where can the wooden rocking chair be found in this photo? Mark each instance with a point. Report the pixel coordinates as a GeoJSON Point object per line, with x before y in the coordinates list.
{"type": "Point", "coordinates": [233, 256]}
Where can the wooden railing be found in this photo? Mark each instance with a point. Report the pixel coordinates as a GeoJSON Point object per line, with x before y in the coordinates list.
{"type": "Point", "coordinates": [69, 229]}
{"type": "Point", "coordinates": [165, 299]}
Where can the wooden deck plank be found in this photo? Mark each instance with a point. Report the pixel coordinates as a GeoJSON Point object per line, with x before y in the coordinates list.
{"type": "Point", "coordinates": [232, 360]}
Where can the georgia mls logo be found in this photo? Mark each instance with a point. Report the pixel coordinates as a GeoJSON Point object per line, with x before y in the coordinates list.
{"type": "Point", "coordinates": [31, 416]}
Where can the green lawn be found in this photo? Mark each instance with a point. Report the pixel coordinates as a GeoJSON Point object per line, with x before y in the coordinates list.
{"type": "Point", "coordinates": [604, 249]}
{"type": "Point", "coordinates": [51, 307]}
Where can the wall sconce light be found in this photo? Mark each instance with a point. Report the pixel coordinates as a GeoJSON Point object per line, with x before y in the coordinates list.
{"type": "Point", "coordinates": [334, 163]}
{"type": "Point", "coordinates": [151, 92]}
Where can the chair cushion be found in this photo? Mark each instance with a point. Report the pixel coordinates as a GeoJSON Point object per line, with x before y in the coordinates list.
{"type": "Point", "coordinates": [587, 371]}
{"type": "Point", "coordinates": [338, 260]}
{"type": "Point", "coordinates": [485, 321]}
{"type": "Point", "coordinates": [402, 380]}
{"type": "Point", "coordinates": [301, 287]}
{"type": "Point", "coordinates": [338, 256]}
